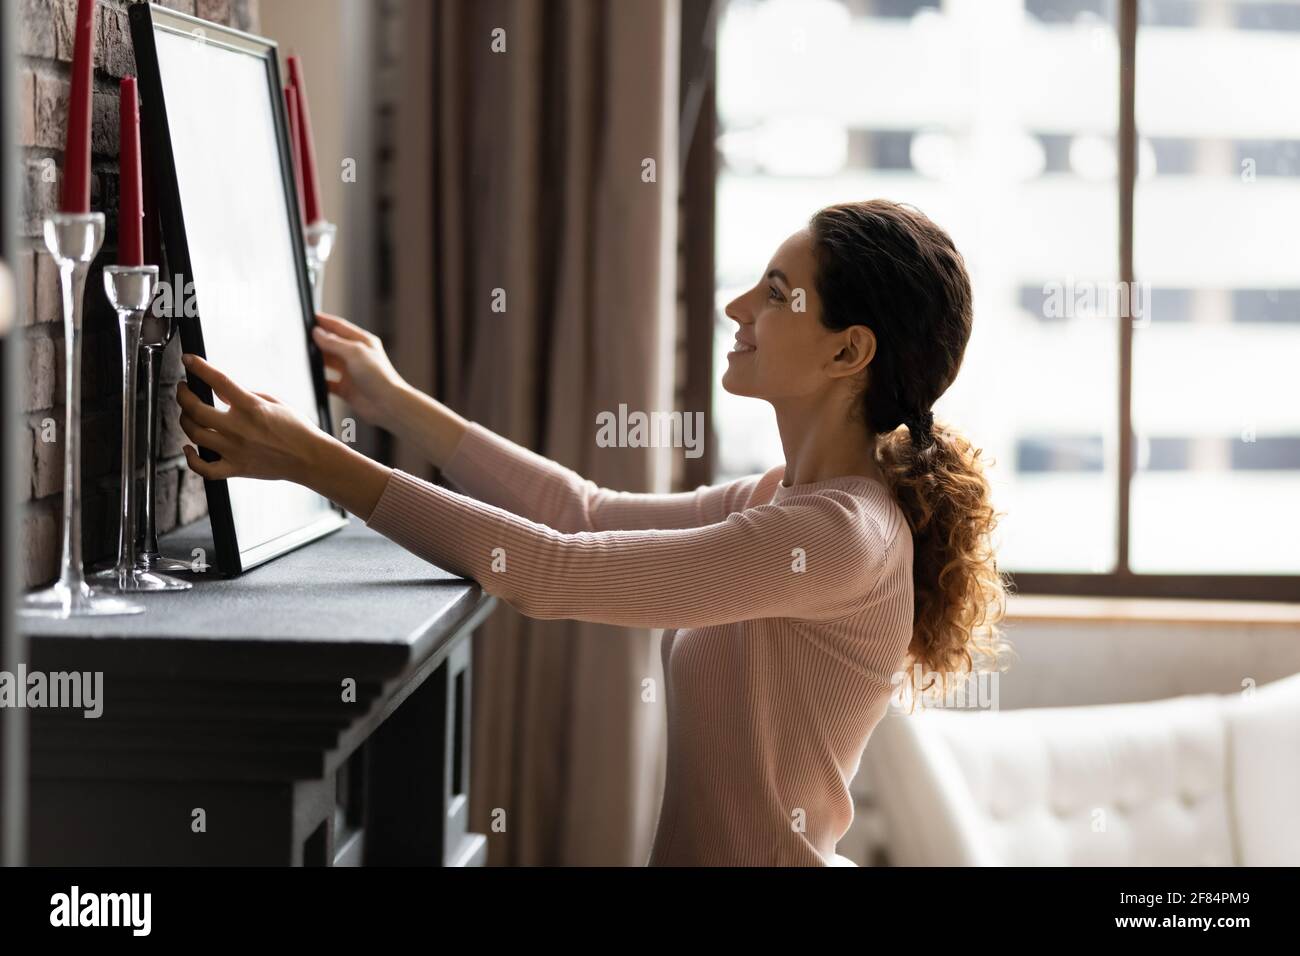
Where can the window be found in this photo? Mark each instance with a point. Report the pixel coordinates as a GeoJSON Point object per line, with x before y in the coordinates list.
{"type": "Point", "coordinates": [1221, 380]}
{"type": "Point", "coordinates": [1165, 305]}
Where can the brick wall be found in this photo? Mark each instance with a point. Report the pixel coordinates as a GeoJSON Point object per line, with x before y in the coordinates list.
{"type": "Point", "coordinates": [45, 47]}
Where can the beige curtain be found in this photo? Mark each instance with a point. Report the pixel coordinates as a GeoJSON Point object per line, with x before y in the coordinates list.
{"type": "Point", "coordinates": [537, 149]}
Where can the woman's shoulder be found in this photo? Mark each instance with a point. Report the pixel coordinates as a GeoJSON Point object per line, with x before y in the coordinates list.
{"type": "Point", "coordinates": [862, 505]}
{"type": "Point", "coordinates": [868, 500]}
{"type": "Point", "coordinates": [748, 491]}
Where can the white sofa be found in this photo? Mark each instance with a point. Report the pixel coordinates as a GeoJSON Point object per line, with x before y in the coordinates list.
{"type": "Point", "coordinates": [1204, 780]}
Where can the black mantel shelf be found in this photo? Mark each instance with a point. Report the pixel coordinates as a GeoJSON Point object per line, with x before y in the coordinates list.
{"type": "Point", "coordinates": [230, 699]}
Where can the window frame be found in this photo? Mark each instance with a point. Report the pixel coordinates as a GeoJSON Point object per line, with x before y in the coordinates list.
{"type": "Point", "coordinates": [699, 197]}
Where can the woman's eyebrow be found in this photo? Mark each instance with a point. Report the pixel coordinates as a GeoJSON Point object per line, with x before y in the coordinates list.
{"type": "Point", "coordinates": [778, 274]}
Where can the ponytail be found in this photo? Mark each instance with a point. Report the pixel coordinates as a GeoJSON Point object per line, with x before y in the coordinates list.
{"type": "Point", "coordinates": [959, 594]}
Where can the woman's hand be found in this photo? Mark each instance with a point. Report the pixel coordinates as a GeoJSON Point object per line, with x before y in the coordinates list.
{"type": "Point", "coordinates": [258, 436]}
{"type": "Point", "coordinates": [363, 375]}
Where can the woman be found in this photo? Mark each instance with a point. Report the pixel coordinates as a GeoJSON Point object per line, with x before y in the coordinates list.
{"type": "Point", "coordinates": [792, 599]}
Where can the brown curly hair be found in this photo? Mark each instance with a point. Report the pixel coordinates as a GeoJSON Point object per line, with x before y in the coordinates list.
{"type": "Point", "coordinates": [887, 266]}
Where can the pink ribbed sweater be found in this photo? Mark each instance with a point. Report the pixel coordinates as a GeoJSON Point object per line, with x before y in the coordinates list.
{"type": "Point", "coordinates": [788, 610]}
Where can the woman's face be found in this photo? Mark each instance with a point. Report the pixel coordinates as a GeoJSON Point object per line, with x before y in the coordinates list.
{"type": "Point", "coordinates": [782, 350]}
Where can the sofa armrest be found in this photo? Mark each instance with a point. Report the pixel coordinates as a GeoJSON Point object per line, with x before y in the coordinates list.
{"type": "Point", "coordinates": [1264, 773]}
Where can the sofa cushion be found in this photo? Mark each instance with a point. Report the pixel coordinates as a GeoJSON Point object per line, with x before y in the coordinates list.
{"type": "Point", "coordinates": [1117, 785]}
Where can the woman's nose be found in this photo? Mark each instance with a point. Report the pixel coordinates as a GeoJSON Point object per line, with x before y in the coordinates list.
{"type": "Point", "coordinates": [736, 309]}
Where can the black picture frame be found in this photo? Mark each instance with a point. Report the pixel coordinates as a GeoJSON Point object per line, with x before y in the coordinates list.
{"type": "Point", "coordinates": [232, 556]}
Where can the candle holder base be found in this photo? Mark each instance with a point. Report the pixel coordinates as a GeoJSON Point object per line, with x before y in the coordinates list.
{"type": "Point", "coordinates": [113, 581]}
{"type": "Point", "coordinates": [152, 573]}
{"type": "Point", "coordinates": [156, 562]}
{"type": "Point", "coordinates": [62, 602]}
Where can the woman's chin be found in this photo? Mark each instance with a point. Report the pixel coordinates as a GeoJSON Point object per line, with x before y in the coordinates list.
{"type": "Point", "coordinates": [734, 384]}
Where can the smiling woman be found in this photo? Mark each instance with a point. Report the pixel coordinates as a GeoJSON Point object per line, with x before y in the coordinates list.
{"type": "Point", "coordinates": [792, 599]}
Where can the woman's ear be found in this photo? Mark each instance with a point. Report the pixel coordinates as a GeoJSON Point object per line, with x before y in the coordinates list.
{"type": "Point", "coordinates": [857, 347]}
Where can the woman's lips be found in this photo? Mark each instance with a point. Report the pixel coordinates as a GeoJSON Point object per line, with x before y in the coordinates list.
{"type": "Point", "coordinates": [741, 348]}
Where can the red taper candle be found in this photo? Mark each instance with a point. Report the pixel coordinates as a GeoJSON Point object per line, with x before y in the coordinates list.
{"type": "Point", "coordinates": [130, 216]}
{"type": "Point", "coordinates": [307, 149]}
{"type": "Point", "coordinates": [75, 196]}
{"type": "Point", "coordinates": [295, 148]}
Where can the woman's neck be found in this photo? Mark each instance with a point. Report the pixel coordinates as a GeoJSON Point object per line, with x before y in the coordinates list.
{"type": "Point", "coordinates": [822, 440]}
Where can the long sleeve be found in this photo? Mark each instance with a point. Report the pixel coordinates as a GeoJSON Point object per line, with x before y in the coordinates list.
{"type": "Point", "coordinates": [811, 557]}
{"type": "Point", "coordinates": [500, 472]}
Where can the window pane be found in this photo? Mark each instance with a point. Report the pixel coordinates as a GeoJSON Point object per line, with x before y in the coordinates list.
{"type": "Point", "coordinates": [997, 120]}
{"type": "Point", "coordinates": [1216, 393]}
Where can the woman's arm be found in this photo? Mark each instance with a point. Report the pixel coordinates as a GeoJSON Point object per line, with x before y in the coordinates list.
{"type": "Point", "coordinates": [359, 372]}
{"type": "Point", "coordinates": [489, 466]}
{"type": "Point", "coordinates": [810, 558]}
{"type": "Point", "coordinates": [495, 470]}
{"type": "Point", "coordinates": [425, 423]}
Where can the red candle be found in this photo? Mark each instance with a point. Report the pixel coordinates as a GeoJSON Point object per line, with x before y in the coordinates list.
{"type": "Point", "coordinates": [76, 145]}
{"type": "Point", "coordinates": [130, 216]}
{"type": "Point", "coordinates": [306, 149]}
{"type": "Point", "coordinates": [291, 110]}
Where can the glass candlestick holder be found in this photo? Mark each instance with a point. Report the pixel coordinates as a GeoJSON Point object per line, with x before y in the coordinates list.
{"type": "Point", "coordinates": [156, 332]}
{"type": "Point", "coordinates": [73, 239]}
{"type": "Point", "coordinates": [319, 238]}
{"type": "Point", "coordinates": [130, 291]}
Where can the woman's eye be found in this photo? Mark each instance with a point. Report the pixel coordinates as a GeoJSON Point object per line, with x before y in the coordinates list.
{"type": "Point", "coordinates": [774, 294]}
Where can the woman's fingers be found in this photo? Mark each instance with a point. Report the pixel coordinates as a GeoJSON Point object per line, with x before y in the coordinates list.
{"type": "Point", "coordinates": [205, 437]}
{"type": "Point", "coordinates": [342, 327]}
{"type": "Point", "coordinates": [213, 470]}
{"type": "Point", "coordinates": [336, 345]}
{"type": "Point", "coordinates": [195, 419]}
{"type": "Point", "coordinates": [197, 409]}
{"type": "Point", "coordinates": [230, 391]}
{"type": "Point", "coordinates": [336, 371]}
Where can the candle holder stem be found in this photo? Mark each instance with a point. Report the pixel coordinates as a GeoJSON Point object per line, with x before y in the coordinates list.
{"type": "Point", "coordinates": [130, 289]}
{"type": "Point", "coordinates": [147, 556]}
{"type": "Point", "coordinates": [73, 239]}
{"type": "Point", "coordinates": [72, 278]}
{"type": "Point", "coordinates": [148, 540]}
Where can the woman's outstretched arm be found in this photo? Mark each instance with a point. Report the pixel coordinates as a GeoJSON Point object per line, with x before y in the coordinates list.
{"type": "Point", "coordinates": [809, 557]}
{"type": "Point", "coordinates": [359, 371]}
{"type": "Point", "coordinates": [492, 468]}
{"type": "Point", "coordinates": [812, 557]}
{"type": "Point", "coordinates": [497, 471]}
